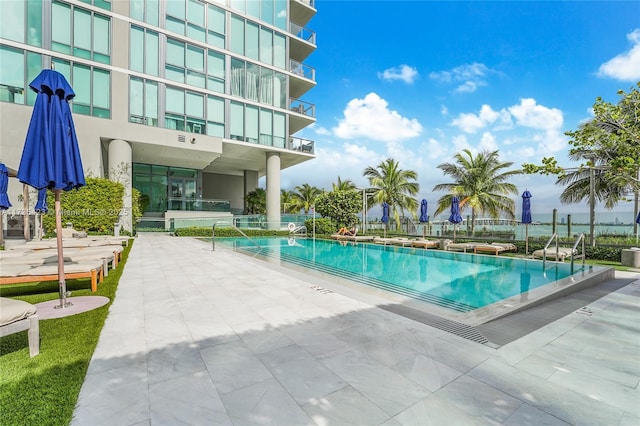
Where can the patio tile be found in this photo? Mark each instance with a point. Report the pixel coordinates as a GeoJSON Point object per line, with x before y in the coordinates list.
{"type": "Point", "coordinates": [304, 377]}
{"type": "Point", "coordinates": [270, 405]}
{"type": "Point", "coordinates": [527, 415]}
{"type": "Point", "coordinates": [435, 411]}
{"type": "Point", "coordinates": [427, 372]}
{"type": "Point", "coordinates": [189, 400]}
{"type": "Point", "coordinates": [233, 366]}
{"type": "Point", "coordinates": [173, 361]}
{"type": "Point", "coordinates": [346, 406]}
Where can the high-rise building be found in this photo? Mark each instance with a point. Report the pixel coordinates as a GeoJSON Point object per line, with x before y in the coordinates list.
{"type": "Point", "coordinates": [189, 101]}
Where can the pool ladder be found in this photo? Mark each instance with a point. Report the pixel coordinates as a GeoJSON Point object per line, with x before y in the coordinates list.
{"type": "Point", "coordinates": [573, 250]}
{"type": "Point", "coordinates": [232, 225]}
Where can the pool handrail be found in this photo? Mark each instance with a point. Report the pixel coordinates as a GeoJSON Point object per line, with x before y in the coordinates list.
{"type": "Point", "coordinates": [546, 246]}
{"type": "Point", "coordinates": [573, 250]}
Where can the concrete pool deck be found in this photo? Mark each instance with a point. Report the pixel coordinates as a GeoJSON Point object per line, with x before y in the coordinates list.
{"type": "Point", "coordinates": [198, 337]}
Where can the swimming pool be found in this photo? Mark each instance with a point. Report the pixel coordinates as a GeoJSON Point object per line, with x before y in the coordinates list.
{"type": "Point", "coordinates": [454, 281]}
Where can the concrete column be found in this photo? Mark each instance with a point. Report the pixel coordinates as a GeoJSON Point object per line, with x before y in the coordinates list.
{"type": "Point", "coordinates": [120, 169]}
{"type": "Point", "coordinates": [273, 190]}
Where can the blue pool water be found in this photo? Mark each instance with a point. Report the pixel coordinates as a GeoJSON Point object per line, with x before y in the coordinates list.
{"type": "Point", "coordinates": [458, 281]}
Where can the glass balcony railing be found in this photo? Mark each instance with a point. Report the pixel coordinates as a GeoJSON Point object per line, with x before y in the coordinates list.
{"type": "Point", "coordinates": [302, 33]}
{"type": "Point", "coordinates": [198, 204]}
{"type": "Point", "coordinates": [303, 145]}
{"type": "Point", "coordinates": [304, 71]}
{"type": "Point", "coordinates": [302, 107]}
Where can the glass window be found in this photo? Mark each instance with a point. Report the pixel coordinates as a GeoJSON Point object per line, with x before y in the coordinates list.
{"type": "Point", "coordinates": [136, 45]}
{"type": "Point", "coordinates": [101, 93]}
{"type": "Point", "coordinates": [82, 33]}
{"type": "Point", "coordinates": [266, 127]}
{"type": "Point", "coordinates": [267, 11]}
{"type": "Point", "coordinates": [176, 8]}
{"type": "Point", "coordinates": [34, 22]}
{"type": "Point", "coordinates": [152, 46]}
{"type": "Point", "coordinates": [136, 100]}
{"type": "Point", "coordinates": [101, 39]}
{"type": "Point", "coordinates": [215, 71]}
{"type": "Point", "coordinates": [266, 86]}
{"type": "Point", "coordinates": [215, 116]}
{"type": "Point", "coordinates": [279, 51]}
{"type": "Point", "coordinates": [174, 73]}
{"type": "Point", "coordinates": [60, 27]}
{"type": "Point", "coordinates": [195, 58]}
{"type": "Point", "coordinates": [237, 77]}
{"type": "Point", "coordinates": [216, 27]}
{"type": "Point", "coordinates": [236, 121]}
{"type": "Point", "coordinates": [252, 84]}
{"type": "Point", "coordinates": [237, 35]}
{"type": "Point", "coordinates": [175, 53]}
{"type": "Point", "coordinates": [12, 20]}
{"type": "Point", "coordinates": [252, 41]}
{"type": "Point", "coordinates": [251, 124]}
{"type": "Point", "coordinates": [195, 105]}
{"type": "Point", "coordinates": [195, 13]}
{"type": "Point", "coordinates": [253, 9]}
{"type": "Point", "coordinates": [175, 100]}
{"type": "Point", "coordinates": [34, 66]}
{"type": "Point", "coordinates": [12, 78]}
{"type": "Point", "coordinates": [136, 9]}
{"type": "Point", "coordinates": [238, 5]}
{"type": "Point", "coordinates": [151, 103]}
{"type": "Point", "coordinates": [279, 135]}
{"type": "Point", "coordinates": [82, 87]}
{"type": "Point", "coordinates": [174, 25]}
{"type": "Point", "coordinates": [280, 90]}
{"type": "Point", "coordinates": [266, 43]}
{"type": "Point", "coordinates": [281, 14]}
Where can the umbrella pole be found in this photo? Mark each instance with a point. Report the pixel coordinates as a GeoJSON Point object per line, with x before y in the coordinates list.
{"type": "Point", "coordinates": [61, 281]}
{"type": "Point", "coordinates": [526, 240]}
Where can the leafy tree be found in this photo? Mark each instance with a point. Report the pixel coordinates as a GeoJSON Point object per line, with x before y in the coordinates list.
{"type": "Point", "coordinates": [393, 185]}
{"type": "Point", "coordinates": [257, 201]}
{"type": "Point", "coordinates": [607, 148]}
{"type": "Point", "coordinates": [341, 206]}
{"type": "Point", "coordinates": [343, 185]}
{"type": "Point", "coordinates": [305, 197]}
{"type": "Point", "coordinates": [287, 201]}
{"type": "Point", "coordinates": [480, 182]}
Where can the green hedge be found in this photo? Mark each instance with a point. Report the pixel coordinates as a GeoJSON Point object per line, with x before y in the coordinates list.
{"type": "Point", "coordinates": [323, 226]}
{"type": "Point", "coordinates": [205, 231]}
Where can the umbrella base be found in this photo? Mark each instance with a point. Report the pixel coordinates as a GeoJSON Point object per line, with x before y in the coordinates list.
{"type": "Point", "coordinates": [63, 305]}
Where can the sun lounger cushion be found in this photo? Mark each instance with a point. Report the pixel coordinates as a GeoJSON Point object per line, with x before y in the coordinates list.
{"type": "Point", "coordinates": [563, 253]}
{"type": "Point", "coordinates": [16, 316]}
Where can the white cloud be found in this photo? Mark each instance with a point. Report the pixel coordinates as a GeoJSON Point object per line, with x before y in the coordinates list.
{"type": "Point", "coordinates": [625, 66]}
{"type": "Point", "coordinates": [323, 131]}
{"type": "Point", "coordinates": [444, 110]}
{"type": "Point", "coordinates": [530, 114]}
{"type": "Point", "coordinates": [488, 142]}
{"type": "Point", "coordinates": [470, 77]}
{"type": "Point", "coordinates": [403, 72]}
{"type": "Point", "coordinates": [371, 118]}
{"type": "Point", "coordinates": [471, 123]}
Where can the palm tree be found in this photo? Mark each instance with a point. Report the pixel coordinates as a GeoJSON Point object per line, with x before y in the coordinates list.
{"type": "Point", "coordinates": [305, 197]}
{"type": "Point", "coordinates": [344, 185]}
{"type": "Point", "coordinates": [257, 201]}
{"type": "Point", "coordinates": [286, 201]}
{"type": "Point", "coordinates": [481, 184]}
{"type": "Point", "coordinates": [394, 186]}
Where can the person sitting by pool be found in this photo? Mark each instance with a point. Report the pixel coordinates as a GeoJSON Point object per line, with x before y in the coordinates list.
{"type": "Point", "coordinates": [348, 232]}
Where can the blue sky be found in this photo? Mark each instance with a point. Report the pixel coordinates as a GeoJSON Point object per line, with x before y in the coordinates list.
{"type": "Point", "coordinates": [419, 81]}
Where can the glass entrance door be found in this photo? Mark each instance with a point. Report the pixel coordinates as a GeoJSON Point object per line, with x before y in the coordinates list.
{"type": "Point", "coordinates": [182, 193]}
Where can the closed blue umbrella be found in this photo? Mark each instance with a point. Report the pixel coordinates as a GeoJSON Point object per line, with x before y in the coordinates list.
{"type": "Point", "coordinates": [385, 217]}
{"type": "Point", "coordinates": [4, 198]}
{"type": "Point", "coordinates": [40, 209]}
{"type": "Point", "coordinates": [4, 184]}
{"type": "Point", "coordinates": [526, 218]}
{"type": "Point", "coordinates": [41, 205]}
{"type": "Point", "coordinates": [51, 156]}
{"type": "Point", "coordinates": [455, 216]}
{"type": "Point", "coordinates": [638, 218]}
{"type": "Point", "coordinates": [423, 214]}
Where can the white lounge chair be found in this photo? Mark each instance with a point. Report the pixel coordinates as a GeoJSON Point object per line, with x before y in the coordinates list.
{"type": "Point", "coordinates": [17, 316]}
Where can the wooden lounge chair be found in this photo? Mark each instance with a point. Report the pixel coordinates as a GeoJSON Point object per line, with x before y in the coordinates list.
{"type": "Point", "coordinates": [494, 248]}
{"type": "Point", "coordinates": [464, 247]}
{"type": "Point", "coordinates": [17, 316]}
{"type": "Point", "coordinates": [425, 244]}
{"type": "Point", "coordinates": [27, 273]}
{"type": "Point", "coordinates": [383, 241]}
{"type": "Point", "coordinates": [401, 241]}
{"type": "Point", "coordinates": [550, 253]}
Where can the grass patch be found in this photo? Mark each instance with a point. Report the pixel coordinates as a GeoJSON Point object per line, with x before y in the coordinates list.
{"type": "Point", "coordinates": [43, 390]}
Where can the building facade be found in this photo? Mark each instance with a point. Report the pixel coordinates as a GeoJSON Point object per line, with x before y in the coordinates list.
{"type": "Point", "coordinates": [189, 101]}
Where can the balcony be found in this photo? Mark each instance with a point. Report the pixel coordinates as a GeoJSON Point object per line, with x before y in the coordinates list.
{"type": "Point", "coordinates": [302, 145]}
{"type": "Point", "coordinates": [304, 78]}
{"type": "Point", "coordinates": [302, 10]}
{"type": "Point", "coordinates": [303, 42]}
{"type": "Point", "coordinates": [304, 116]}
